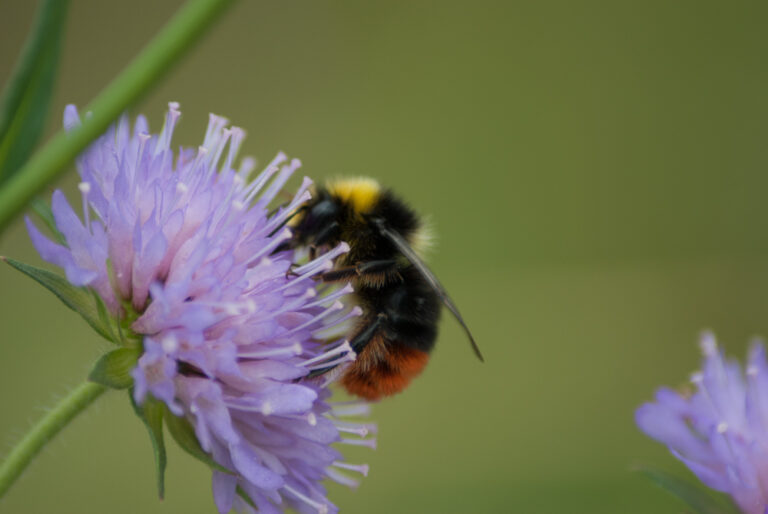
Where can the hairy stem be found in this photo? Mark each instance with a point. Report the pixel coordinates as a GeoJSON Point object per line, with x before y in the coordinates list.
{"type": "Point", "coordinates": [44, 430]}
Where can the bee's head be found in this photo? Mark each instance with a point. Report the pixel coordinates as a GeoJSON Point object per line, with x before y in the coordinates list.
{"type": "Point", "coordinates": [317, 215]}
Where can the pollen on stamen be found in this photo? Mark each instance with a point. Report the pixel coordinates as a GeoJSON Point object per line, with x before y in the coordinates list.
{"type": "Point", "coordinates": [697, 377]}
{"type": "Point", "coordinates": [169, 344]}
{"type": "Point", "coordinates": [84, 187]}
{"type": "Point", "coordinates": [181, 187]}
{"type": "Point", "coordinates": [722, 427]}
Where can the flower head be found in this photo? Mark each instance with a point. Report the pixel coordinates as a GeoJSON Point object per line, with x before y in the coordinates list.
{"type": "Point", "coordinates": [184, 248]}
{"type": "Point", "coordinates": [721, 430]}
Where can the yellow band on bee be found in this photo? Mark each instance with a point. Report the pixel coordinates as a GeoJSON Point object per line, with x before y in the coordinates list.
{"type": "Point", "coordinates": [361, 192]}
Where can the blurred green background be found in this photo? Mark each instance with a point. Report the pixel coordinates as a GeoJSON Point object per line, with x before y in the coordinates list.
{"type": "Point", "coordinates": [596, 172]}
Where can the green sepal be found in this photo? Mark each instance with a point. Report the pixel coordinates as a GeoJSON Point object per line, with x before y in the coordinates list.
{"type": "Point", "coordinates": [79, 299]}
{"type": "Point", "coordinates": [247, 499]}
{"type": "Point", "coordinates": [151, 413]}
{"type": "Point", "coordinates": [694, 496]}
{"type": "Point", "coordinates": [185, 437]}
{"type": "Point", "coordinates": [27, 95]}
{"type": "Point", "coordinates": [44, 212]}
{"type": "Point", "coordinates": [113, 369]}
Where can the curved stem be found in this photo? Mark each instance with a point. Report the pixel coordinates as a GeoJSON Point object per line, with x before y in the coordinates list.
{"type": "Point", "coordinates": [45, 429]}
{"type": "Point", "coordinates": [143, 72]}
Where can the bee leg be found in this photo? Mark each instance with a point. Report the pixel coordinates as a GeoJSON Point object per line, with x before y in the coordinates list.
{"type": "Point", "coordinates": [358, 343]}
{"type": "Point", "coordinates": [290, 273]}
{"type": "Point", "coordinates": [364, 337]}
{"type": "Point", "coordinates": [376, 273]}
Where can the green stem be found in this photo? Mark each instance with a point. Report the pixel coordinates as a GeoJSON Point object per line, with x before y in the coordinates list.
{"type": "Point", "coordinates": [45, 429]}
{"type": "Point", "coordinates": [143, 72]}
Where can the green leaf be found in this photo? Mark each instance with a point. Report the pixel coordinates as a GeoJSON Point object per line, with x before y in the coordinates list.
{"type": "Point", "coordinates": [693, 495]}
{"type": "Point", "coordinates": [153, 62]}
{"type": "Point", "coordinates": [151, 413]}
{"type": "Point", "coordinates": [26, 98]}
{"type": "Point", "coordinates": [185, 437]}
{"type": "Point", "coordinates": [78, 299]}
{"type": "Point", "coordinates": [113, 369]}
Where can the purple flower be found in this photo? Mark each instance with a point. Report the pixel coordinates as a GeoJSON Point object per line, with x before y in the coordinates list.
{"type": "Point", "coordinates": [720, 431]}
{"type": "Point", "coordinates": [182, 246]}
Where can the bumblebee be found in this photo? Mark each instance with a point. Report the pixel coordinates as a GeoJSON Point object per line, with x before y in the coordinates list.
{"type": "Point", "coordinates": [400, 297]}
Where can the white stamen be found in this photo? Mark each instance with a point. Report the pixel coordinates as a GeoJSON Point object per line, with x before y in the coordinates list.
{"type": "Point", "coordinates": [264, 176]}
{"type": "Point", "coordinates": [722, 427]}
{"type": "Point", "coordinates": [361, 430]}
{"type": "Point", "coordinates": [333, 296]}
{"type": "Point", "coordinates": [274, 243]}
{"type": "Point", "coordinates": [236, 140]}
{"type": "Point", "coordinates": [341, 478]}
{"type": "Point", "coordinates": [356, 428]}
{"type": "Point", "coordinates": [342, 348]}
{"type": "Point", "coordinates": [247, 165]}
{"type": "Point", "coordinates": [85, 188]}
{"type": "Point", "coordinates": [283, 213]}
{"type": "Point", "coordinates": [337, 306]}
{"type": "Point", "coordinates": [360, 468]}
{"type": "Point", "coordinates": [323, 266]}
{"type": "Point", "coordinates": [294, 349]}
{"type": "Point", "coordinates": [708, 344]}
{"type": "Point", "coordinates": [347, 357]}
{"type": "Point", "coordinates": [238, 205]}
{"type": "Point", "coordinates": [312, 266]}
{"type": "Point", "coordinates": [351, 409]}
{"type": "Point", "coordinates": [164, 140]}
{"type": "Point", "coordinates": [321, 508]}
{"type": "Point", "coordinates": [328, 331]}
{"type": "Point", "coordinates": [181, 188]}
{"type": "Point", "coordinates": [279, 181]}
{"type": "Point", "coordinates": [370, 443]}
{"type": "Point", "coordinates": [267, 409]}
{"type": "Point", "coordinates": [752, 371]}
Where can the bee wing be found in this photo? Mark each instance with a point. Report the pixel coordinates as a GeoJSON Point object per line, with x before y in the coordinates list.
{"type": "Point", "coordinates": [414, 259]}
